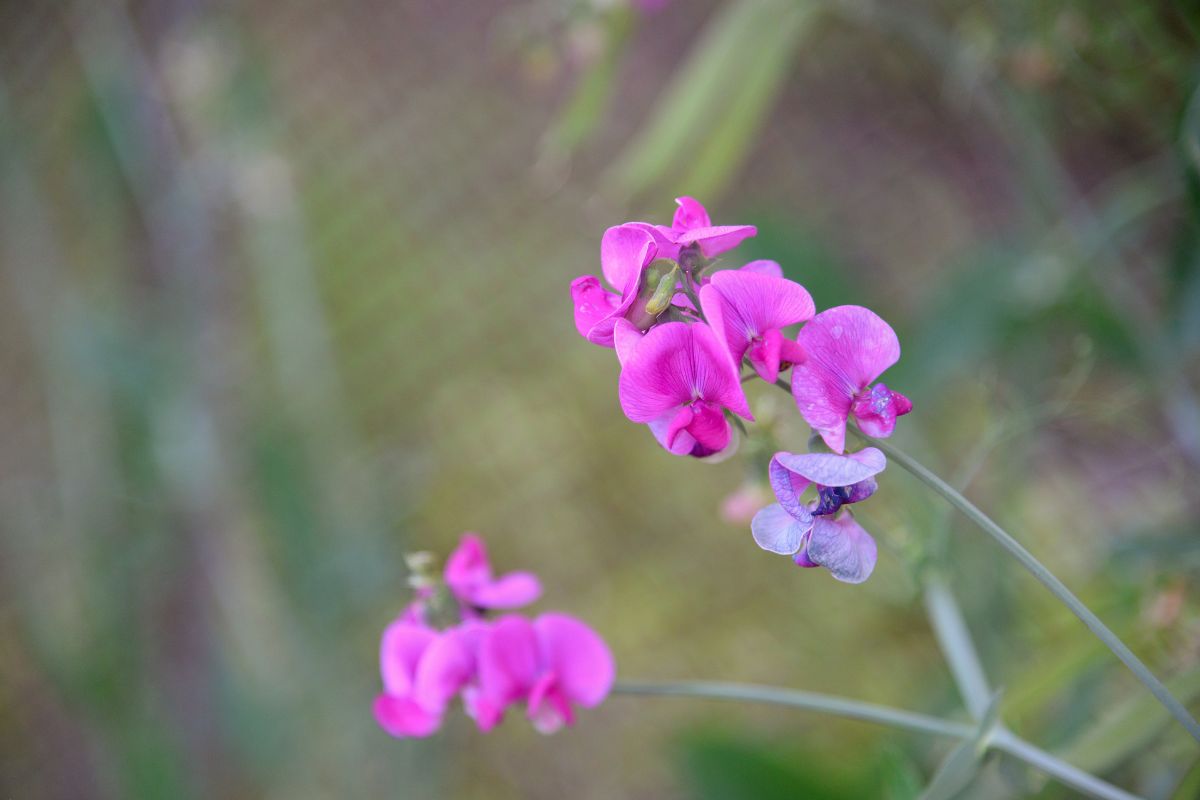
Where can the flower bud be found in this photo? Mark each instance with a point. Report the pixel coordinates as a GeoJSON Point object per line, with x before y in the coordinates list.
{"type": "Point", "coordinates": [657, 289]}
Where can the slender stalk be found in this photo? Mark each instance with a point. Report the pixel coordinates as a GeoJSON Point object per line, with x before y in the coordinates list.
{"type": "Point", "coordinates": [809, 701]}
{"type": "Point", "coordinates": [1007, 742]}
{"type": "Point", "coordinates": [1044, 576]}
{"type": "Point", "coordinates": [1001, 739]}
{"type": "Point", "coordinates": [955, 640]}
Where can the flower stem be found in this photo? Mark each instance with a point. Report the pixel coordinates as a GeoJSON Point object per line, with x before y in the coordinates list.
{"type": "Point", "coordinates": [1044, 576]}
{"type": "Point", "coordinates": [810, 701]}
{"type": "Point", "coordinates": [1001, 739]}
{"type": "Point", "coordinates": [955, 640]}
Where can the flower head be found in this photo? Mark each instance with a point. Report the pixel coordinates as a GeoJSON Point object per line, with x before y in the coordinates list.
{"type": "Point", "coordinates": [847, 348]}
{"type": "Point", "coordinates": [678, 379]}
{"type": "Point", "coordinates": [815, 533]}
{"type": "Point", "coordinates": [748, 310]}
{"type": "Point", "coordinates": [468, 575]}
{"type": "Point", "coordinates": [551, 665]}
{"type": "Point", "coordinates": [626, 255]}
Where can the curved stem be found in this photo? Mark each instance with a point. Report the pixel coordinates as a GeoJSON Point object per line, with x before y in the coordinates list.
{"type": "Point", "coordinates": [1074, 777]}
{"type": "Point", "coordinates": [810, 701]}
{"type": "Point", "coordinates": [1000, 739]}
{"type": "Point", "coordinates": [1044, 576]}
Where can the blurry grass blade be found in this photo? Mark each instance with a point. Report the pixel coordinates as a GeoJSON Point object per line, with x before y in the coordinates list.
{"type": "Point", "coordinates": [583, 112]}
{"type": "Point", "coordinates": [735, 130]}
{"type": "Point", "coordinates": [717, 98]}
{"type": "Point", "coordinates": [1189, 785]}
{"type": "Point", "coordinates": [1128, 728]}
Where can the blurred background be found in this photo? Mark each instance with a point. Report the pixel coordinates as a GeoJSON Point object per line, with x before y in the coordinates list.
{"type": "Point", "coordinates": [283, 296]}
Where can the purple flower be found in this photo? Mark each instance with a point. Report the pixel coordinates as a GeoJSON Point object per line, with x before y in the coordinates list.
{"type": "Point", "coordinates": [626, 254]}
{"type": "Point", "coordinates": [847, 348]}
{"type": "Point", "coordinates": [551, 665]}
{"type": "Point", "coordinates": [468, 575]}
{"type": "Point", "coordinates": [748, 309]}
{"type": "Point", "coordinates": [692, 232]}
{"type": "Point", "coordinates": [678, 379]}
{"type": "Point", "coordinates": [815, 534]}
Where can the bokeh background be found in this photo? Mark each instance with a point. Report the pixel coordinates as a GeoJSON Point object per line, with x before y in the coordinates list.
{"type": "Point", "coordinates": [283, 297]}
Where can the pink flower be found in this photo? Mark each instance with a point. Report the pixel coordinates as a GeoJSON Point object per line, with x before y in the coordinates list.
{"type": "Point", "coordinates": [748, 311]}
{"type": "Point", "coordinates": [692, 231]}
{"type": "Point", "coordinates": [740, 505]}
{"type": "Point", "coordinates": [551, 665]}
{"type": "Point", "coordinates": [811, 533]}
{"type": "Point", "coordinates": [468, 575]}
{"type": "Point", "coordinates": [847, 348]}
{"type": "Point", "coordinates": [678, 379]}
{"type": "Point", "coordinates": [625, 253]}
{"type": "Point", "coordinates": [398, 710]}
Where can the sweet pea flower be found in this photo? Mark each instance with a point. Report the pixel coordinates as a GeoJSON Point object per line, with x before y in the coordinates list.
{"type": "Point", "coordinates": [692, 232]}
{"type": "Point", "coordinates": [678, 379]}
{"type": "Point", "coordinates": [847, 348]}
{"type": "Point", "coordinates": [551, 665]}
{"type": "Point", "coordinates": [748, 311]}
{"type": "Point", "coordinates": [468, 575]}
{"type": "Point", "coordinates": [815, 534]}
{"type": "Point", "coordinates": [400, 710]}
{"type": "Point", "coordinates": [644, 288]}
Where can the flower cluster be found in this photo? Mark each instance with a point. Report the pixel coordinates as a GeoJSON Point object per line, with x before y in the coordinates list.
{"type": "Point", "coordinates": [549, 665]}
{"type": "Point", "coordinates": [682, 333]}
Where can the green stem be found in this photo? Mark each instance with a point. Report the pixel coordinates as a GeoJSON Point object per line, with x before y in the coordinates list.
{"type": "Point", "coordinates": [1044, 576]}
{"type": "Point", "coordinates": [809, 701]}
{"type": "Point", "coordinates": [893, 717]}
{"type": "Point", "coordinates": [955, 640]}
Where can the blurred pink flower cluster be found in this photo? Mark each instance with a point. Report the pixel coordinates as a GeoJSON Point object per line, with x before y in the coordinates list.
{"type": "Point", "coordinates": [549, 665]}
{"type": "Point", "coordinates": [683, 332]}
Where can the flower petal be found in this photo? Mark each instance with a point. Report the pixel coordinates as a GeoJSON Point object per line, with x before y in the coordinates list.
{"type": "Point", "coordinates": [718, 239]}
{"type": "Point", "coordinates": [674, 365]}
{"type": "Point", "coordinates": [400, 651]}
{"type": "Point", "coordinates": [467, 566]}
{"type": "Point", "coordinates": [509, 663]}
{"type": "Point", "coordinates": [777, 531]}
{"type": "Point", "coordinates": [829, 469]}
{"type": "Point", "coordinates": [593, 304]}
{"type": "Point", "coordinates": [709, 427]}
{"type": "Point", "coordinates": [446, 667]}
{"type": "Point", "coordinates": [843, 548]}
{"type": "Point", "coordinates": [763, 267]}
{"type": "Point", "coordinates": [690, 214]}
{"type": "Point", "coordinates": [626, 338]}
{"type": "Point", "coordinates": [847, 348]}
{"type": "Point", "coordinates": [624, 251]}
{"type": "Point", "coordinates": [513, 590]}
{"type": "Point", "coordinates": [789, 486]}
{"type": "Point", "coordinates": [577, 656]}
{"type": "Point", "coordinates": [402, 717]}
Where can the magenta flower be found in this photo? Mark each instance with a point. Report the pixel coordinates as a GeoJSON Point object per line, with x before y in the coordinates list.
{"type": "Point", "coordinates": [625, 253]}
{"type": "Point", "coordinates": [551, 665]}
{"type": "Point", "coordinates": [847, 348]}
{"type": "Point", "coordinates": [692, 231]}
{"type": "Point", "coordinates": [399, 710]}
{"type": "Point", "coordinates": [468, 575]}
{"type": "Point", "coordinates": [678, 379]}
{"type": "Point", "coordinates": [810, 532]}
{"type": "Point", "coordinates": [748, 311]}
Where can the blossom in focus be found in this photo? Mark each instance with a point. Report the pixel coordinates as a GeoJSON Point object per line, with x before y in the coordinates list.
{"type": "Point", "coordinates": [679, 379]}
{"type": "Point", "coordinates": [550, 665]}
{"type": "Point", "coordinates": [847, 348]}
{"type": "Point", "coordinates": [692, 232]}
{"type": "Point", "coordinates": [468, 575]}
{"type": "Point", "coordinates": [748, 311]}
{"type": "Point", "coordinates": [821, 533]}
{"type": "Point", "coordinates": [626, 253]}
